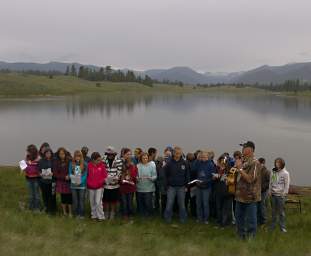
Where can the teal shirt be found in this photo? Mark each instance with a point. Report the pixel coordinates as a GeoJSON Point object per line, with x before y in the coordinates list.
{"type": "Point", "coordinates": [147, 170]}
{"type": "Point", "coordinates": [78, 171]}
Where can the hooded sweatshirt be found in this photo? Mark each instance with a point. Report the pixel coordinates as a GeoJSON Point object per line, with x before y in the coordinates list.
{"type": "Point", "coordinates": [96, 175]}
{"type": "Point", "coordinates": [204, 172]}
{"type": "Point", "coordinates": [45, 164]}
{"type": "Point", "coordinates": [77, 171]}
{"type": "Point", "coordinates": [32, 169]}
{"type": "Point", "coordinates": [279, 182]}
{"type": "Point", "coordinates": [177, 173]}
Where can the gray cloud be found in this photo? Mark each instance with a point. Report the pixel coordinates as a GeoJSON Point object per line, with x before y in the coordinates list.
{"type": "Point", "coordinates": [210, 35]}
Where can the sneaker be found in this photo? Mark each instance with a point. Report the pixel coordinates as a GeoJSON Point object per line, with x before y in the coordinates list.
{"type": "Point", "coordinates": [206, 222]}
{"type": "Point", "coordinates": [283, 230]}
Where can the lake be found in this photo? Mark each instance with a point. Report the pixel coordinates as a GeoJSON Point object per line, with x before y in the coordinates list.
{"type": "Point", "coordinates": [279, 126]}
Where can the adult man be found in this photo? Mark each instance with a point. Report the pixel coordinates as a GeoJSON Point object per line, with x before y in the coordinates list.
{"type": "Point", "coordinates": [265, 181]}
{"type": "Point", "coordinates": [248, 192]}
{"type": "Point", "coordinates": [177, 177]}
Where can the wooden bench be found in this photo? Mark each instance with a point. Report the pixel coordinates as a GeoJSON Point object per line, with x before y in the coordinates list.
{"type": "Point", "coordinates": [293, 202]}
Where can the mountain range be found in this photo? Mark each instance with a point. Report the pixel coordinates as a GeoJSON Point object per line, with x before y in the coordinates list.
{"type": "Point", "coordinates": [261, 75]}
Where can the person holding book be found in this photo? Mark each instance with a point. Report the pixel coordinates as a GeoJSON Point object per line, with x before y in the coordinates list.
{"type": "Point", "coordinates": [111, 188]}
{"type": "Point", "coordinates": [147, 175]}
{"type": "Point", "coordinates": [177, 177]}
{"type": "Point", "coordinates": [204, 170]}
{"type": "Point", "coordinates": [60, 174]}
{"type": "Point", "coordinates": [128, 181]}
{"type": "Point", "coordinates": [96, 176]}
{"type": "Point", "coordinates": [78, 173]}
{"type": "Point", "coordinates": [278, 189]}
{"type": "Point", "coordinates": [47, 182]}
{"type": "Point", "coordinates": [32, 174]}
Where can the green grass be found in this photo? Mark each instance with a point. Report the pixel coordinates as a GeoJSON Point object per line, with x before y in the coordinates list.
{"type": "Point", "coordinates": [23, 85]}
{"type": "Point", "coordinates": [25, 233]}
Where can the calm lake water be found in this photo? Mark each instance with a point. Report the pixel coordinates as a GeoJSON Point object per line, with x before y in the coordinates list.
{"type": "Point", "coordinates": [280, 126]}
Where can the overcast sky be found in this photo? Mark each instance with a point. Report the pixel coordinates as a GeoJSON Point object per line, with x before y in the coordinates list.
{"type": "Point", "coordinates": [207, 35]}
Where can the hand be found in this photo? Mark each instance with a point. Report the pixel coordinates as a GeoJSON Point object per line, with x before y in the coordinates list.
{"type": "Point", "coordinates": [67, 177]}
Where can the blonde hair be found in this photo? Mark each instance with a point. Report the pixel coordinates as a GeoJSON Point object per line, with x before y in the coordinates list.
{"type": "Point", "coordinates": [78, 153]}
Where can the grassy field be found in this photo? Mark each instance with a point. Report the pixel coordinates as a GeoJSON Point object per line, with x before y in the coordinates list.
{"type": "Point", "coordinates": [21, 85]}
{"type": "Point", "coordinates": [25, 233]}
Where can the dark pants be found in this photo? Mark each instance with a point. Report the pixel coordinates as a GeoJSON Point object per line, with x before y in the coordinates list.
{"type": "Point", "coordinates": [246, 219]}
{"type": "Point", "coordinates": [172, 194]}
{"type": "Point", "coordinates": [224, 209]}
{"type": "Point", "coordinates": [78, 199]}
{"type": "Point", "coordinates": [191, 201]}
{"type": "Point", "coordinates": [145, 204]}
{"type": "Point", "coordinates": [48, 196]}
{"type": "Point", "coordinates": [127, 204]}
{"type": "Point", "coordinates": [262, 209]}
{"type": "Point", "coordinates": [163, 203]}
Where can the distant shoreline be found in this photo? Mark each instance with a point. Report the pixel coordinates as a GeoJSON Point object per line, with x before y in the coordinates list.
{"type": "Point", "coordinates": [16, 85]}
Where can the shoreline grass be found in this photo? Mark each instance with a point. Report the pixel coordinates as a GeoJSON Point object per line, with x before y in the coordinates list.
{"type": "Point", "coordinates": [26, 85]}
{"type": "Point", "coordinates": [25, 233]}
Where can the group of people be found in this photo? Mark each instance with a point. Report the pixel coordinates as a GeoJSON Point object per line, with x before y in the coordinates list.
{"type": "Point", "coordinates": [232, 189]}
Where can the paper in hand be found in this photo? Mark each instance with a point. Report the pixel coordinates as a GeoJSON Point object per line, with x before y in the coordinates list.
{"type": "Point", "coordinates": [22, 165]}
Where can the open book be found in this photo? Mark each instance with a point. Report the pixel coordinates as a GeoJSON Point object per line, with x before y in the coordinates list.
{"type": "Point", "coordinates": [75, 179]}
{"type": "Point", "coordinates": [46, 173]}
{"type": "Point", "coordinates": [193, 182]}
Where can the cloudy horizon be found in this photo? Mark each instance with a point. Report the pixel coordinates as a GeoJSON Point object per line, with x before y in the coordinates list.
{"type": "Point", "coordinates": [206, 35]}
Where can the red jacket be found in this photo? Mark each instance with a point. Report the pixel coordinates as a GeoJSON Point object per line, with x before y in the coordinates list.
{"type": "Point", "coordinates": [96, 175]}
{"type": "Point", "coordinates": [32, 170]}
{"type": "Point", "coordinates": [129, 175]}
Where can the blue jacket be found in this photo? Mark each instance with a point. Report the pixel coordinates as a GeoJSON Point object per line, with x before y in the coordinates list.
{"type": "Point", "coordinates": [204, 172]}
{"type": "Point", "coordinates": [83, 176]}
{"type": "Point", "coordinates": [177, 173]}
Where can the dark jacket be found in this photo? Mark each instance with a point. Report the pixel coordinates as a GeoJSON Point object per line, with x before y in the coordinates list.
{"type": "Point", "coordinates": [204, 172]}
{"type": "Point", "coordinates": [177, 173]}
{"type": "Point", "coordinates": [45, 164]}
{"type": "Point", "coordinates": [265, 179]}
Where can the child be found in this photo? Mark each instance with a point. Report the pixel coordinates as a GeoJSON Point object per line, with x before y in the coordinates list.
{"type": "Point", "coordinates": [33, 177]}
{"type": "Point", "coordinates": [278, 189]}
{"type": "Point", "coordinates": [96, 176]}
{"type": "Point", "coordinates": [127, 184]}
{"type": "Point", "coordinates": [60, 173]}
{"type": "Point", "coordinates": [46, 181]}
{"type": "Point", "coordinates": [147, 175]}
{"type": "Point", "coordinates": [78, 174]}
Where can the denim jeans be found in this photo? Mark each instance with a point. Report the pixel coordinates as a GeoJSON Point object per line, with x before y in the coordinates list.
{"type": "Point", "coordinates": [278, 210]}
{"type": "Point", "coordinates": [202, 203]}
{"type": "Point", "coordinates": [172, 193]}
{"type": "Point", "coordinates": [145, 204]}
{"type": "Point", "coordinates": [34, 194]}
{"type": "Point", "coordinates": [78, 199]}
{"type": "Point", "coordinates": [262, 209]}
{"type": "Point", "coordinates": [246, 219]}
{"type": "Point", "coordinates": [127, 204]}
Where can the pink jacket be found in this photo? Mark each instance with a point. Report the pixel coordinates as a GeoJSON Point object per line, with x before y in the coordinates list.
{"type": "Point", "coordinates": [32, 170]}
{"type": "Point", "coordinates": [96, 175]}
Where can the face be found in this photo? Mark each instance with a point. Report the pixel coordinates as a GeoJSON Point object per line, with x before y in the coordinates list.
{"type": "Point", "coordinates": [137, 153]}
{"type": "Point", "coordinates": [177, 154]}
{"type": "Point", "coordinates": [167, 153]}
{"type": "Point", "coordinates": [247, 151]}
{"type": "Point", "coordinates": [98, 160]}
{"type": "Point", "coordinates": [110, 156]}
{"type": "Point", "coordinates": [62, 155]}
{"type": "Point", "coordinates": [85, 152]}
{"type": "Point", "coordinates": [144, 159]}
{"type": "Point", "coordinates": [128, 155]}
{"type": "Point", "coordinates": [204, 156]}
{"type": "Point", "coordinates": [48, 155]}
{"type": "Point", "coordinates": [77, 158]}
{"type": "Point", "coordinates": [278, 164]}
{"type": "Point", "coordinates": [238, 161]}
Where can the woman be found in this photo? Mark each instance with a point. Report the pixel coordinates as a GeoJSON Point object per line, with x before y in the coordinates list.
{"type": "Point", "coordinates": [128, 181]}
{"type": "Point", "coordinates": [278, 189]}
{"type": "Point", "coordinates": [96, 176]}
{"type": "Point", "coordinates": [46, 182]}
{"type": "Point", "coordinates": [147, 176]}
{"type": "Point", "coordinates": [33, 177]}
{"type": "Point", "coordinates": [204, 169]}
{"type": "Point", "coordinates": [223, 198]}
{"type": "Point", "coordinates": [78, 174]}
{"type": "Point", "coordinates": [60, 173]}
